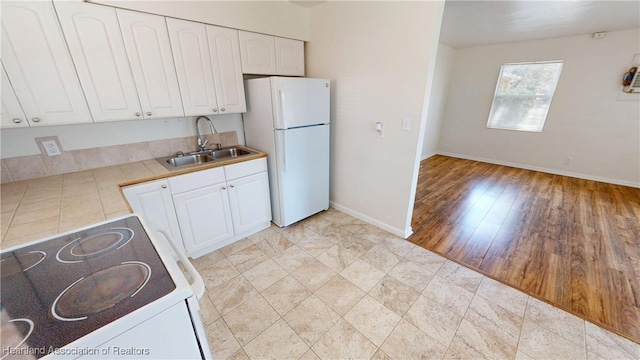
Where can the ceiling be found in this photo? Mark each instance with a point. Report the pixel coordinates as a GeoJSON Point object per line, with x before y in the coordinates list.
{"type": "Point", "coordinates": [474, 23]}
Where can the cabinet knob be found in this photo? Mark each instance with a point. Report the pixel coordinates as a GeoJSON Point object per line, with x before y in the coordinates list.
{"type": "Point", "coordinates": [17, 120]}
{"type": "Point", "coordinates": [215, 109]}
{"type": "Point", "coordinates": [164, 186]}
{"type": "Point", "coordinates": [222, 109]}
{"type": "Point", "coordinates": [224, 188]}
{"type": "Point", "coordinates": [138, 114]}
{"type": "Point", "coordinates": [148, 113]}
{"type": "Point", "coordinates": [231, 185]}
{"type": "Point", "coordinates": [36, 120]}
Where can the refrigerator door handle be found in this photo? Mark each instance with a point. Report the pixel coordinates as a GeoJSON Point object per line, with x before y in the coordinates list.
{"type": "Point", "coordinates": [282, 155]}
{"type": "Point", "coordinates": [282, 152]}
{"type": "Point", "coordinates": [281, 109]}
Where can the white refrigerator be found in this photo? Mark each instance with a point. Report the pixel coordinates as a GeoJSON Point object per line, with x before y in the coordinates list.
{"type": "Point", "coordinates": [288, 118]}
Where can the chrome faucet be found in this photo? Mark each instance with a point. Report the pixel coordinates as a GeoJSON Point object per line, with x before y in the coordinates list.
{"type": "Point", "coordinates": [202, 145]}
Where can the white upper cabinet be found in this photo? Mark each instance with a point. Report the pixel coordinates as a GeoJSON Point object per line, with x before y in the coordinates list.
{"type": "Point", "coordinates": [289, 57]}
{"type": "Point", "coordinates": [258, 53]}
{"type": "Point", "coordinates": [193, 65]}
{"type": "Point", "coordinates": [224, 48]}
{"type": "Point", "coordinates": [97, 48]}
{"type": "Point", "coordinates": [12, 114]}
{"type": "Point", "coordinates": [39, 66]}
{"type": "Point", "coordinates": [209, 69]}
{"type": "Point", "coordinates": [146, 40]}
{"type": "Point", "coordinates": [270, 55]}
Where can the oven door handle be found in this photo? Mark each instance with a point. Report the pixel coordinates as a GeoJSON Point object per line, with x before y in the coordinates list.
{"type": "Point", "coordinates": [198, 284]}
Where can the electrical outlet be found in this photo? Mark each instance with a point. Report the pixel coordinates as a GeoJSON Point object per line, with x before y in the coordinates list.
{"type": "Point", "coordinates": [568, 160]}
{"type": "Point", "coordinates": [51, 147]}
{"type": "Point", "coordinates": [406, 124]}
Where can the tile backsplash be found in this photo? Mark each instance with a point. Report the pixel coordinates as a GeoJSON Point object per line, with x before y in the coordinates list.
{"type": "Point", "coordinates": [35, 166]}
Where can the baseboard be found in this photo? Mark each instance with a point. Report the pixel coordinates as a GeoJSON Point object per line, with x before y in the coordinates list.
{"type": "Point", "coordinates": [429, 155]}
{"type": "Point", "coordinates": [386, 227]}
{"type": "Point", "coordinates": [543, 169]}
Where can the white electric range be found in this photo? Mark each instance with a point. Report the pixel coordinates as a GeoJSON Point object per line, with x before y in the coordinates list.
{"type": "Point", "coordinates": [111, 290]}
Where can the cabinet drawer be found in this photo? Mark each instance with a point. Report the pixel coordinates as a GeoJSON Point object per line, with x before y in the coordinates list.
{"type": "Point", "coordinates": [245, 168]}
{"type": "Point", "coordinates": [196, 180]}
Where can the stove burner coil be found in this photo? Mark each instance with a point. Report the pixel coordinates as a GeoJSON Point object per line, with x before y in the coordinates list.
{"type": "Point", "coordinates": [94, 245]}
{"type": "Point", "coordinates": [100, 291]}
{"type": "Point", "coordinates": [19, 263]}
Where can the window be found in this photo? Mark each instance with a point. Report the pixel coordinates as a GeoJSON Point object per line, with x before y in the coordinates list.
{"type": "Point", "coordinates": [523, 95]}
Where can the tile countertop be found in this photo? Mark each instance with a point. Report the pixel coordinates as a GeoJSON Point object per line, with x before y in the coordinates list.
{"type": "Point", "coordinates": [37, 208]}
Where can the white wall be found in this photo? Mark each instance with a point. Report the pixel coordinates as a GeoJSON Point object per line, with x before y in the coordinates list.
{"type": "Point", "coordinates": [380, 57]}
{"type": "Point", "coordinates": [585, 120]}
{"type": "Point", "coordinates": [280, 18]}
{"type": "Point", "coordinates": [20, 142]}
{"type": "Point", "coordinates": [437, 102]}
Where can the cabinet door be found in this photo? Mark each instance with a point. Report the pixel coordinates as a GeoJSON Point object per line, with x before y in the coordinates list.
{"type": "Point", "coordinates": [258, 53]}
{"type": "Point", "coordinates": [39, 66]}
{"type": "Point", "coordinates": [250, 201]}
{"type": "Point", "coordinates": [204, 216]}
{"type": "Point", "coordinates": [289, 57]}
{"type": "Point", "coordinates": [12, 114]}
{"type": "Point", "coordinates": [224, 48]}
{"type": "Point", "coordinates": [193, 65]}
{"type": "Point", "coordinates": [153, 201]}
{"type": "Point", "coordinates": [147, 43]}
{"type": "Point", "coordinates": [96, 45]}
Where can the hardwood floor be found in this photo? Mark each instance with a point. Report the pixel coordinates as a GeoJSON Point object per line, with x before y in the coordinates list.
{"type": "Point", "coordinates": [570, 242]}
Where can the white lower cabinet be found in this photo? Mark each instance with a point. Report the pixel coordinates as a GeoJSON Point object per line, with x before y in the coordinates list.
{"type": "Point", "coordinates": [204, 216]}
{"type": "Point", "coordinates": [153, 201]}
{"type": "Point", "coordinates": [250, 201]}
{"type": "Point", "coordinates": [212, 208]}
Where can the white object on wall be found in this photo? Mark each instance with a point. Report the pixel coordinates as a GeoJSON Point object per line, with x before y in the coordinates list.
{"type": "Point", "coordinates": [624, 94]}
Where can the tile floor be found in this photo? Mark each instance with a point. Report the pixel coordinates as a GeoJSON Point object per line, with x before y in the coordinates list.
{"type": "Point", "coordinates": [333, 287]}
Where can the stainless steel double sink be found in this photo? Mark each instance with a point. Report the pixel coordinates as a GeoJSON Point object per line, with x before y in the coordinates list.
{"type": "Point", "coordinates": [181, 161]}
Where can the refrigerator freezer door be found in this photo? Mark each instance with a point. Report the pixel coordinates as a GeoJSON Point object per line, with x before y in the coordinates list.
{"type": "Point", "coordinates": [300, 102]}
{"type": "Point", "coordinates": [302, 158]}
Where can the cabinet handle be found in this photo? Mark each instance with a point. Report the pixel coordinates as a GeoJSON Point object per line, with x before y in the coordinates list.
{"type": "Point", "coordinates": [164, 186]}
{"type": "Point", "coordinates": [231, 185]}
{"type": "Point", "coordinates": [224, 188]}
{"type": "Point", "coordinates": [36, 120]}
{"type": "Point", "coordinates": [148, 113]}
{"type": "Point", "coordinates": [138, 114]}
{"type": "Point", "coordinates": [222, 109]}
{"type": "Point", "coordinates": [17, 120]}
{"type": "Point", "coordinates": [215, 109]}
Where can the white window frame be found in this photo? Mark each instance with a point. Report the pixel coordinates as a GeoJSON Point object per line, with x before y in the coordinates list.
{"type": "Point", "coordinates": [549, 97]}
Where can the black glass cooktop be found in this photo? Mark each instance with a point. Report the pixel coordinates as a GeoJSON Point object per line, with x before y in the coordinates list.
{"type": "Point", "coordinates": [55, 292]}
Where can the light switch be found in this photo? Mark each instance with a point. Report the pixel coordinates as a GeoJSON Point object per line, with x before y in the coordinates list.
{"type": "Point", "coordinates": [406, 124]}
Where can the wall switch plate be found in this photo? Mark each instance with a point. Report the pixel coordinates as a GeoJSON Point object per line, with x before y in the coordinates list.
{"type": "Point", "coordinates": [51, 147]}
{"type": "Point", "coordinates": [406, 124]}
{"type": "Point", "coordinates": [379, 130]}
